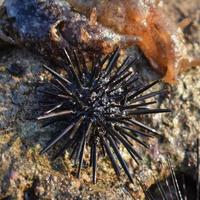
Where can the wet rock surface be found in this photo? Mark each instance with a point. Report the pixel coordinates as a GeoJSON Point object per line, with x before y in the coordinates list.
{"type": "Point", "coordinates": [24, 174]}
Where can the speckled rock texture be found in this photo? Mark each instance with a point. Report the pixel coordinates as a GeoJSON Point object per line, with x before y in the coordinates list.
{"type": "Point", "coordinates": [24, 174]}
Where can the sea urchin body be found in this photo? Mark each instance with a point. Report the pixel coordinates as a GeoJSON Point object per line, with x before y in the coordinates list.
{"type": "Point", "coordinates": [98, 106]}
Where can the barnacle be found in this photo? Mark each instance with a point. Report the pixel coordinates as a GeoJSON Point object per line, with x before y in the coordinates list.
{"type": "Point", "coordinates": [98, 106]}
{"type": "Point", "coordinates": [61, 27]}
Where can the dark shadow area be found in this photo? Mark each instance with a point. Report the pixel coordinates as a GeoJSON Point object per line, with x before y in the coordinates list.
{"type": "Point", "coordinates": [29, 194]}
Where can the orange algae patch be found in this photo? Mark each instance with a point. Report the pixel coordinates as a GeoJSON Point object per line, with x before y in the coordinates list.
{"type": "Point", "coordinates": [161, 40]}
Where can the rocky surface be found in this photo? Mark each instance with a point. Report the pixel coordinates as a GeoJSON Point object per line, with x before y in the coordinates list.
{"type": "Point", "coordinates": [24, 174]}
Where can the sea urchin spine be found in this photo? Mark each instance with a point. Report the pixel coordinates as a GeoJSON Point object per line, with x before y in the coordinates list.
{"type": "Point", "coordinates": [99, 107]}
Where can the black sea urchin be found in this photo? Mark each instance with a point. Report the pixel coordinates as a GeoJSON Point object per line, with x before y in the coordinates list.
{"type": "Point", "coordinates": [98, 106]}
{"type": "Point", "coordinates": [179, 185]}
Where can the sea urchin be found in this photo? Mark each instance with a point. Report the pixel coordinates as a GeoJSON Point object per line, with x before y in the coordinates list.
{"type": "Point", "coordinates": [98, 106]}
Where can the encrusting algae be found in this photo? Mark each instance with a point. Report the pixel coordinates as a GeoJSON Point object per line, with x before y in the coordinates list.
{"type": "Point", "coordinates": [161, 40]}
{"type": "Point", "coordinates": [98, 26]}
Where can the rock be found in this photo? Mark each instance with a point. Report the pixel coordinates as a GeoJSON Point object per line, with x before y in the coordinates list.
{"type": "Point", "coordinates": [25, 174]}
